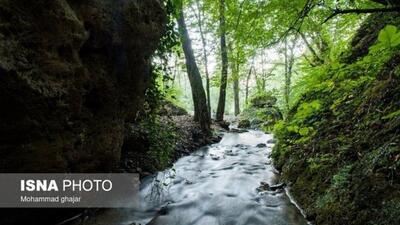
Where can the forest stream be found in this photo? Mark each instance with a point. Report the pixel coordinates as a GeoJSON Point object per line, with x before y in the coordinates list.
{"type": "Point", "coordinates": [218, 184]}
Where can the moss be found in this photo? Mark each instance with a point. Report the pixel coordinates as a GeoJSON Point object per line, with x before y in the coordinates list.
{"type": "Point", "coordinates": [262, 112]}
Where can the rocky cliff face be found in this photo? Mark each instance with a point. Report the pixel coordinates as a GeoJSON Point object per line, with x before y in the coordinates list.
{"type": "Point", "coordinates": [71, 74]}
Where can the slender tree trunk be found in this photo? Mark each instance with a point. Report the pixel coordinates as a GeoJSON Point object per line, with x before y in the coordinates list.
{"type": "Point", "coordinates": [175, 71]}
{"type": "Point", "coordinates": [287, 77]}
{"type": "Point", "coordinates": [201, 113]}
{"type": "Point", "coordinates": [289, 61]}
{"type": "Point", "coordinates": [263, 73]}
{"type": "Point", "coordinates": [236, 89]}
{"type": "Point", "coordinates": [224, 58]}
{"type": "Point", "coordinates": [200, 17]}
{"type": "Point", "coordinates": [247, 84]}
{"type": "Point", "coordinates": [236, 96]}
{"type": "Point", "coordinates": [313, 52]}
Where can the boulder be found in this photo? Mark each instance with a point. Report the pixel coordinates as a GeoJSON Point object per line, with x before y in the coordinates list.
{"type": "Point", "coordinates": [224, 125]}
{"type": "Point", "coordinates": [261, 145]}
{"type": "Point", "coordinates": [244, 123]}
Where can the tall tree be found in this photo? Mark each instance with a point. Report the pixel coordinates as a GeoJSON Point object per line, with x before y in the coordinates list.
{"type": "Point", "coordinates": [248, 81]}
{"type": "Point", "coordinates": [235, 74]}
{"type": "Point", "coordinates": [236, 90]}
{"type": "Point", "coordinates": [289, 62]}
{"type": "Point", "coordinates": [201, 113]}
{"type": "Point", "coordinates": [200, 21]}
{"type": "Point", "coordinates": [237, 61]}
{"type": "Point", "coordinates": [224, 63]}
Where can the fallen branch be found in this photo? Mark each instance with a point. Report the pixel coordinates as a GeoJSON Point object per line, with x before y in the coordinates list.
{"type": "Point", "coordinates": [360, 11]}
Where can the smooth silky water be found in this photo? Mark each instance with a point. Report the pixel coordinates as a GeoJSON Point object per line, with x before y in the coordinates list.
{"type": "Point", "coordinates": [215, 185]}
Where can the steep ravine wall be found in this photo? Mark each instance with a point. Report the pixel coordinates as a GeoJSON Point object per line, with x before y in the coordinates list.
{"type": "Point", "coordinates": [346, 172]}
{"type": "Point", "coordinates": [72, 73]}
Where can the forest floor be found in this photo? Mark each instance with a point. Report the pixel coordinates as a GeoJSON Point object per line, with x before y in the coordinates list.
{"type": "Point", "coordinates": [187, 138]}
{"type": "Point", "coordinates": [191, 137]}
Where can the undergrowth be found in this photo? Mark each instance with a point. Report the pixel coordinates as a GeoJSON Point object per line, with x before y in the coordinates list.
{"type": "Point", "coordinates": [339, 146]}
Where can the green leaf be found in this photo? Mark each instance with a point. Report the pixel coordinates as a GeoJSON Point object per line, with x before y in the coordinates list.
{"type": "Point", "coordinates": [304, 131]}
{"type": "Point", "coordinates": [389, 36]}
{"type": "Point", "coordinates": [386, 33]}
{"type": "Point", "coordinates": [392, 115]}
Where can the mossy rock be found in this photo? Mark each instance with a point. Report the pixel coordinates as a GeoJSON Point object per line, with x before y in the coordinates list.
{"type": "Point", "coordinates": [261, 101]}
{"type": "Point", "coordinates": [244, 123]}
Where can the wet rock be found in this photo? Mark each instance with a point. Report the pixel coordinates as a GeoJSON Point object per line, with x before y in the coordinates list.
{"type": "Point", "coordinates": [261, 145]}
{"type": "Point", "coordinates": [277, 187]}
{"type": "Point", "coordinates": [230, 153]}
{"type": "Point", "coordinates": [264, 186]}
{"type": "Point", "coordinates": [188, 182]}
{"type": "Point", "coordinates": [224, 124]}
{"type": "Point", "coordinates": [241, 146]}
{"type": "Point", "coordinates": [255, 123]}
{"type": "Point", "coordinates": [271, 141]}
{"type": "Point", "coordinates": [215, 157]}
{"type": "Point", "coordinates": [234, 130]}
{"type": "Point", "coordinates": [244, 123]}
{"type": "Point", "coordinates": [163, 211]}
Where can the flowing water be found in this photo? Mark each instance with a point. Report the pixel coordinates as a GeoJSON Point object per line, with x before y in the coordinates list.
{"type": "Point", "coordinates": [216, 185]}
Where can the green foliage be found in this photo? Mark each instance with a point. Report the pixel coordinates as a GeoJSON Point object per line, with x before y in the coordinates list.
{"type": "Point", "coordinates": [389, 37]}
{"type": "Point", "coordinates": [392, 115]}
{"type": "Point", "coordinates": [341, 179]}
{"type": "Point", "coordinates": [307, 109]}
{"type": "Point", "coordinates": [325, 200]}
{"type": "Point", "coordinates": [159, 88]}
{"type": "Point", "coordinates": [262, 111]}
{"type": "Point", "coordinates": [340, 137]}
{"type": "Point", "coordinates": [264, 99]}
{"type": "Point", "coordinates": [161, 137]}
{"type": "Point", "coordinates": [316, 164]}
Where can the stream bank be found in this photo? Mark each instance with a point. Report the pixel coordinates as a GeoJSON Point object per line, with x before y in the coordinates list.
{"type": "Point", "coordinates": [152, 147]}
{"type": "Point", "coordinates": [340, 143]}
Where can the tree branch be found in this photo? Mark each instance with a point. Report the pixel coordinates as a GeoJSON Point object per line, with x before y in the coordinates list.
{"type": "Point", "coordinates": [316, 56]}
{"type": "Point", "coordinates": [360, 11]}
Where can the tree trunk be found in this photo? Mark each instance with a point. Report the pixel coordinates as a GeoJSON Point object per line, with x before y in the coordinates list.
{"type": "Point", "coordinates": [201, 113]}
{"type": "Point", "coordinates": [236, 89]}
{"type": "Point", "coordinates": [247, 84]}
{"type": "Point", "coordinates": [313, 52]}
{"type": "Point", "coordinates": [224, 58]}
{"type": "Point", "coordinates": [287, 77]}
{"type": "Point", "coordinates": [200, 17]}
{"type": "Point", "coordinates": [236, 96]}
{"type": "Point", "coordinates": [289, 61]}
